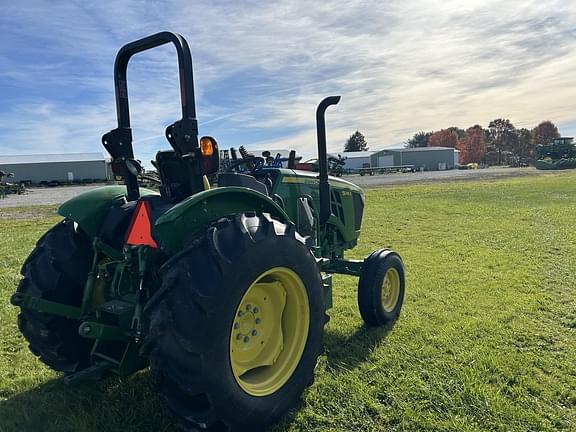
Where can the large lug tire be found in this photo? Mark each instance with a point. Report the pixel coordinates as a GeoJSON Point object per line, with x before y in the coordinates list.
{"type": "Point", "coordinates": [236, 328]}
{"type": "Point", "coordinates": [381, 288]}
{"type": "Point", "coordinates": [57, 270]}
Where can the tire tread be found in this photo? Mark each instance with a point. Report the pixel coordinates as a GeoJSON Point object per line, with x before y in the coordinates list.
{"type": "Point", "coordinates": [55, 270]}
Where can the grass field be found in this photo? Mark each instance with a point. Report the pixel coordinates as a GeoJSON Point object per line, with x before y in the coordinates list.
{"type": "Point", "coordinates": [486, 339]}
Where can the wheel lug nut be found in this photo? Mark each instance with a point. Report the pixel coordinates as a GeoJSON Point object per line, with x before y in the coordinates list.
{"type": "Point", "coordinates": [248, 307]}
{"type": "Point", "coordinates": [240, 313]}
{"type": "Point", "coordinates": [239, 336]}
{"type": "Point", "coordinates": [236, 325]}
{"type": "Point", "coordinates": [246, 339]}
{"type": "Point", "coordinates": [254, 332]}
{"type": "Point", "coordinates": [258, 320]}
{"type": "Point", "coordinates": [256, 310]}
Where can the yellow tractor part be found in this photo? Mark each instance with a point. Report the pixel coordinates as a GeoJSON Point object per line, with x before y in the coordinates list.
{"type": "Point", "coordinates": [269, 331]}
{"type": "Point", "coordinates": [390, 289]}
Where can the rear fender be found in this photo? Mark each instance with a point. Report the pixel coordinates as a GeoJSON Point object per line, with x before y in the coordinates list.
{"type": "Point", "coordinates": [89, 208]}
{"type": "Point", "coordinates": [179, 223]}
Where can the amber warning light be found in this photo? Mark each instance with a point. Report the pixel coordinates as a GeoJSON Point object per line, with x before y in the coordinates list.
{"type": "Point", "coordinates": [206, 147]}
{"type": "Point", "coordinates": [139, 232]}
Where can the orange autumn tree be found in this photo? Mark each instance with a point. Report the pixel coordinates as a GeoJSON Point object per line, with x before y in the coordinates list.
{"type": "Point", "coordinates": [472, 146]}
{"type": "Point", "coordinates": [443, 138]}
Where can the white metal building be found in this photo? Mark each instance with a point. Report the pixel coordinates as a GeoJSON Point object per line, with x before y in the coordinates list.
{"type": "Point", "coordinates": [56, 167]}
{"type": "Point", "coordinates": [355, 160]}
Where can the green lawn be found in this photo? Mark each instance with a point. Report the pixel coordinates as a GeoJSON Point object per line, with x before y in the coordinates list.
{"type": "Point", "coordinates": [486, 339]}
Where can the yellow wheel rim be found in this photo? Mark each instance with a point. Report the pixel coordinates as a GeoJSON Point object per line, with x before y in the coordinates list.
{"type": "Point", "coordinates": [390, 289]}
{"type": "Point", "coordinates": [269, 331]}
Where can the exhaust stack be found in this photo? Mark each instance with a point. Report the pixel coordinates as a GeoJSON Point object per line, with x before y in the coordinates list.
{"type": "Point", "coordinates": [323, 157]}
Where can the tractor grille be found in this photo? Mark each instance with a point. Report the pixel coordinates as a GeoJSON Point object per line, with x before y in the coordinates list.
{"type": "Point", "coordinates": [337, 208]}
{"type": "Point", "coordinates": [358, 210]}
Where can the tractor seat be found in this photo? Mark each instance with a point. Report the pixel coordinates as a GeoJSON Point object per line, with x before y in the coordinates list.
{"type": "Point", "coordinates": [174, 174]}
{"type": "Point", "coordinates": [241, 180]}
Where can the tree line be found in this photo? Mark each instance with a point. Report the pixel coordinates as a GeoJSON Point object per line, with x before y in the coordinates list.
{"type": "Point", "coordinates": [501, 143]}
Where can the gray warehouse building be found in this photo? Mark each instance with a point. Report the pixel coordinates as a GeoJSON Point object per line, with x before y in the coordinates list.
{"type": "Point", "coordinates": [56, 167]}
{"type": "Point", "coordinates": [426, 158]}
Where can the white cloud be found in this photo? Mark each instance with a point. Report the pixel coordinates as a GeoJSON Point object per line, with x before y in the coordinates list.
{"type": "Point", "coordinates": [261, 68]}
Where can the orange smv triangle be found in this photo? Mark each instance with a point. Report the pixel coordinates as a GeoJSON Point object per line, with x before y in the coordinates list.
{"type": "Point", "coordinates": [139, 232]}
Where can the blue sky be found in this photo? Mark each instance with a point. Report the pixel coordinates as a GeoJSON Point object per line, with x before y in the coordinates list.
{"type": "Point", "coordinates": [261, 68]}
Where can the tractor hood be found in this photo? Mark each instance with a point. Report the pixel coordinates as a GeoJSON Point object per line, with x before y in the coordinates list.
{"type": "Point", "coordinates": [309, 177]}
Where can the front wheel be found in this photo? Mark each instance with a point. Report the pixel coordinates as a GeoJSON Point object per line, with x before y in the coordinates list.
{"type": "Point", "coordinates": [381, 288]}
{"type": "Point", "coordinates": [236, 329]}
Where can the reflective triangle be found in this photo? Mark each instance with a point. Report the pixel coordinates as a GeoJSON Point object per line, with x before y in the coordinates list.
{"type": "Point", "coordinates": [140, 228]}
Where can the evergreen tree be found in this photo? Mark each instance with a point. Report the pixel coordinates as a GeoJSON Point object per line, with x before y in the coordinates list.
{"type": "Point", "coordinates": [459, 132]}
{"type": "Point", "coordinates": [420, 139]}
{"type": "Point", "coordinates": [356, 142]}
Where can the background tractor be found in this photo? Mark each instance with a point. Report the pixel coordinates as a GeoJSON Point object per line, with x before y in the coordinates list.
{"type": "Point", "coordinates": [9, 188]}
{"type": "Point", "coordinates": [335, 165]}
{"type": "Point", "coordinates": [221, 291]}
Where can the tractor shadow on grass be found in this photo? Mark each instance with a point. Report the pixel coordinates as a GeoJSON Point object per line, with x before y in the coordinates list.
{"type": "Point", "coordinates": [130, 405]}
{"type": "Point", "coordinates": [113, 404]}
{"type": "Point", "coordinates": [348, 351]}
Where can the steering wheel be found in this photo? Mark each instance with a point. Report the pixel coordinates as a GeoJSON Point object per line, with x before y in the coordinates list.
{"type": "Point", "coordinates": [253, 164]}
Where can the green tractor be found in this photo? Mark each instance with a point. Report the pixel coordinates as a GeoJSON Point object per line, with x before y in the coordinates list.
{"type": "Point", "coordinates": [220, 291]}
{"type": "Point", "coordinates": [9, 188]}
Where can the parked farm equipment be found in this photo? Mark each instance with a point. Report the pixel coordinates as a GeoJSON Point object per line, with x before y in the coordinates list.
{"type": "Point", "coordinates": [386, 170]}
{"type": "Point", "coordinates": [558, 155]}
{"type": "Point", "coordinates": [335, 165]}
{"type": "Point", "coordinates": [9, 188]}
{"type": "Point", "coordinates": [222, 291]}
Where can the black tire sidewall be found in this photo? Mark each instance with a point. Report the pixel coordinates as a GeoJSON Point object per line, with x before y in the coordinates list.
{"type": "Point", "coordinates": [370, 288]}
{"type": "Point", "coordinates": [56, 270]}
{"type": "Point", "coordinates": [193, 316]}
{"type": "Point", "coordinates": [256, 263]}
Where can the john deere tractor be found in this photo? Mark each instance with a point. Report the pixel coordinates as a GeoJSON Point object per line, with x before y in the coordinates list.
{"type": "Point", "coordinates": [221, 291]}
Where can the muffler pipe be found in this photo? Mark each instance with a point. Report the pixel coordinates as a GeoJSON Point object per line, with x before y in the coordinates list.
{"type": "Point", "coordinates": [325, 210]}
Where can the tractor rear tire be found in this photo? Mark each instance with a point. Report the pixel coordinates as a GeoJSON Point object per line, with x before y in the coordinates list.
{"type": "Point", "coordinates": [57, 270]}
{"type": "Point", "coordinates": [236, 327]}
{"type": "Point", "coordinates": [381, 288]}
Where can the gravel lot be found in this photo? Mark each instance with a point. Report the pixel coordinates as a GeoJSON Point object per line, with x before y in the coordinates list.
{"type": "Point", "coordinates": [57, 195]}
{"type": "Point", "coordinates": [44, 196]}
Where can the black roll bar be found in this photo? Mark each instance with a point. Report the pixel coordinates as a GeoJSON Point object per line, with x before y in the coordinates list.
{"type": "Point", "coordinates": [184, 66]}
{"type": "Point", "coordinates": [183, 134]}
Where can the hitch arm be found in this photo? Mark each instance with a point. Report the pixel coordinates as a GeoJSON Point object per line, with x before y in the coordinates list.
{"type": "Point", "coordinates": [40, 305]}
